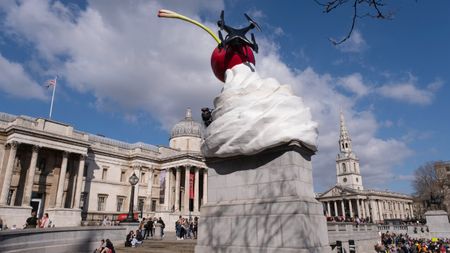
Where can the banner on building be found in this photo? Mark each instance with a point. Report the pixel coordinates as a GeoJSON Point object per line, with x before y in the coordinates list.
{"type": "Point", "coordinates": [191, 185]}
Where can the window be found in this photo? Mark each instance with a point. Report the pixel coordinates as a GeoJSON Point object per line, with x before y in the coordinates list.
{"type": "Point", "coordinates": [357, 179]}
{"type": "Point", "coordinates": [101, 202]}
{"type": "Point", "coordinates": [141, 204]}
{"type": "Point", "coordinates": [104, 173]}
{"type": "Point", "coordinates": [345, 179]}
{"type": "Point", "coordinates": [153, 206]}
{"type": "Point", "coordinates": [155, 180]}
{"type": "Point", "coordinates": [346, 145]}
{"type": "Point", "coordinates": [120, 201]}
{"type": "Point", "coordinates": [10, 195]}
{"type": "Point", "coordinates": [122, 176]}
{"type": "Point", "coordinates": [143, 177]}
{"type": "Point", "coordinates": [344, 168]}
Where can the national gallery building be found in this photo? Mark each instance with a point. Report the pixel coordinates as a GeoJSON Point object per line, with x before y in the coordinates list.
{"type": "Point", "coordinates": [349, 199]}
{"type": "Point", "coordinates": [50, 167]}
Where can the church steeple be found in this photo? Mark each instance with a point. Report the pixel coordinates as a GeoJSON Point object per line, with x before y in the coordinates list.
{"type": "Point", "coordinates": [345, 142]}
{"type": "Point", "coordinates": [347, 163]}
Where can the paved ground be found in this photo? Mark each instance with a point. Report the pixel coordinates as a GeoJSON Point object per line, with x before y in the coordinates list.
{"type": "Point", "coordinates": [168, 244]}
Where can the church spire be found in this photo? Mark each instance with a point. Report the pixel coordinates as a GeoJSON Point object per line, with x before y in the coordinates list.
{"type": "Point", "coordinates": [345, 142]}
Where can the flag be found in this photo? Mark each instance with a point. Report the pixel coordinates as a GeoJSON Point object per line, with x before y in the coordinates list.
{"type": "Point", "coordinates": [50, 83]}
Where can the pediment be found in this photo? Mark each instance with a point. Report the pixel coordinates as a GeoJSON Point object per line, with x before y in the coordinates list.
{"type": "Point", "coordinates": [337, 191]}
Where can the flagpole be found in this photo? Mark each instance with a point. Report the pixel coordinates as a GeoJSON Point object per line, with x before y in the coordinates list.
{"type": "Point", "coordinates": [53, 96]}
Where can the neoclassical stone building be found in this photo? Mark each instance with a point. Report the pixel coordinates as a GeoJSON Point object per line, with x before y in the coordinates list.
{"type": "Point", "coordinates": [348, 198]}
{"type": "Point", "coordinates": [49, 166]}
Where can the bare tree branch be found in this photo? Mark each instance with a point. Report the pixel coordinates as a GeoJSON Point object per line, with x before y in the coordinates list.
{"type": "Point", "coordinates": [374, 10]}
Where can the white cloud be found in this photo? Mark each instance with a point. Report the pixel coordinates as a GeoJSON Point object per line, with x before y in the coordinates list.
{"type": "Point", "coordinates": [354, 83]}
{"type": "Point", "coordinates": [406, 92]}
{"type": "Point", "coordinates": [16, 82]}
{"type": "Point", "coordinates": [354, 44]}
{"type": "Point", "coordinates": [132, 61]}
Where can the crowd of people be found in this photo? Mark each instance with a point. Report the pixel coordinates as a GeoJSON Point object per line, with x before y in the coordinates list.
{"type": "Point", "coordinates": [186, 228]}
{"type": "Point", "coordinates": [146, 230]}
{"type": "Point", "coordinates": [402, 243]}
{"type": "Point", "coordinates": [106, 246]}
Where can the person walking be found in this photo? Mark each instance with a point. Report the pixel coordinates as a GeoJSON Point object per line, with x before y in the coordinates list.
{"type": "Point", "coordinates": [45, 221]}
{"type": "Point", "coordinates": [161, 222]}
{"type": "Point", "coordinates": [32, 221]}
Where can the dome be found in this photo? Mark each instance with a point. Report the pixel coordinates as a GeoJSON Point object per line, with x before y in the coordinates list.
{"type": "Point", "coordinates": [187, 127]}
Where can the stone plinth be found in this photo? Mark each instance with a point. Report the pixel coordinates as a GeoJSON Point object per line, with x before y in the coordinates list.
{"type": "Point", "coordinates": [64, 217]}
{"type": "Point", "coordinates": [263, 203]}
{"type": "Point", "coordinates": [437, 222]}
{"type": "Point", "coordinates": [14, 215]}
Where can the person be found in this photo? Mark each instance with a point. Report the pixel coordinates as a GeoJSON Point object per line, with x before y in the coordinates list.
{"type": "Point", "coordinates": [137, 239]}
{"type": "Point", "coordinates": [45, 221]}
{"type": "Point", "coordinates": [1, 224]}
{"type": "Point", "coordinates": [109, 247]}
{"type": "Point", "coordinates": [32, 221]}
{"type": "Point", "coordinates": [129, 239]}
{"type": "Point", "coordinates": [195, 227]}
{"type": "Point", "coordinates": [178, 228]}
{"type": "Point", "coordinates": [106, 221]}
{"type": "Point", "coordinates": [148, 229]}
{"type": "Point", "coordinates": [160, 221]}
{"type": "Point", "coordinates": [101, 246]}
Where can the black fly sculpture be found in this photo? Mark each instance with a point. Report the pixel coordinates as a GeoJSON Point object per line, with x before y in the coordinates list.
{"type": "Point", "coordinates": [237, 36]}
{"type": "Point", "coordinates": [206, 116]}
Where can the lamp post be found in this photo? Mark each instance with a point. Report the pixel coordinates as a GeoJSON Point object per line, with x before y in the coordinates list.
{"type": "Point", "coordinates": [133, 181]}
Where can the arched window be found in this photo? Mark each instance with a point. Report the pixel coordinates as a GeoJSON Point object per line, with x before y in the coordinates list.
{"type": "Point", "coordinates": [346, 145]}
{"type": "Point", "coordinates": [344, 169]}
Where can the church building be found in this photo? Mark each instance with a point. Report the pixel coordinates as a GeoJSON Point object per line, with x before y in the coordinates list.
{"type": "Point", "coordinates": [50, 167]}
{"type": "Point", "coordinates": [349, 199]}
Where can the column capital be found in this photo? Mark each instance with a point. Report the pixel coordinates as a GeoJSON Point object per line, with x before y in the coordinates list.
{"type": "Point", "coordinates": [35, 148]}
{"type": "Point", "coordinates": [83, 157]}
{"type": "Point", "coordinates": [13, 144]}
{"type": "Point", "coordinates": [65, 154]}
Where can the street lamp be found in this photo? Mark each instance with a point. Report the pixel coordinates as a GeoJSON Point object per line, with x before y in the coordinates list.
{"type": "Point", "coordinates": [133, 181]}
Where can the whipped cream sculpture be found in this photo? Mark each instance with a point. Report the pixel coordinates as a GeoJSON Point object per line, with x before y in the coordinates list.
{"type": "Point", "coordinates": [251, 114]}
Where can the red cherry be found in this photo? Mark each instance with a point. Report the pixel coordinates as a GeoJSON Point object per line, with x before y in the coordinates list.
{"type": "Point", "coordinates": [228, 57]}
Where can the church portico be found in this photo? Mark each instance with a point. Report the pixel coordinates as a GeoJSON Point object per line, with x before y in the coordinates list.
{"type": "Point", "coordinates": [348, 199]}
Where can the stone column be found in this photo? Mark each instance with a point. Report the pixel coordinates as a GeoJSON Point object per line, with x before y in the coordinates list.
{"type": "Point", "coordinates": [205, 186]}
{"type": "Point", "coordinates": [350, 207]}
{"type": "Point", "coordinates": [342, 207]}
{"type": "Point", "coordinates": [30, 177]}
{"type": "Point", "coordinates": [402, 209]}
{"type": "Point", "coordinates": [177, 189]}
{"type": "Point", "coordinates": [380, 209]}
{"type": "Point", "coordinates": [358, 210]}
{"type": "Point", "coordinates": [363, 208]}
{"type": "Point", "coordinates": [335, 208]}
{"type": "Point", "coordinates": [150, 183]}
{"type": "Point", "coordinates": [186, 189]}
{"type": "Point", "coordinates": [76, 203]}
{"type": "Point", "coordinates": [411, 210]}
{"type": "Point", "coordinates": [196, 189]}
{"type": "Point", "coordinates": [167, 190]}
{"type": "Point", "coordinates": [62, 177]}
{"type": "Point", "coordinates": [8, 173]}
{"type": "Point", "coordinates": [328, 208]}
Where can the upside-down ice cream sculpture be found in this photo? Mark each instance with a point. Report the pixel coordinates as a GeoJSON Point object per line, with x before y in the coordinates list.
{"type": "Point", "coordinates": [251, 114]}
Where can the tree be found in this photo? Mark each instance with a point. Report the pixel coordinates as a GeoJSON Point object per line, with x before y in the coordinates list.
{"type": "Point", "coordinates": [428, 186]}
{"type": "Point", "coordinates": [361, 9]}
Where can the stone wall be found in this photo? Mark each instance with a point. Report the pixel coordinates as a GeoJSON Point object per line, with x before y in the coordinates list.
{"type": "Point", "coordinates": [365, 236]}
{"type": "Point", "coordinates": [58, 240]}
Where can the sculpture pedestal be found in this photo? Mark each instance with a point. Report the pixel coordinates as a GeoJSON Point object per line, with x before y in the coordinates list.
{"type": "Point", "coordinates": [263, 203]}
{"type": "Point", "coordinates": [437, 222]}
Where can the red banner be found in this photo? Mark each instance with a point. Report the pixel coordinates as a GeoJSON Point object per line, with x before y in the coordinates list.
{"type": "Point", "coordinates": [191, 185]}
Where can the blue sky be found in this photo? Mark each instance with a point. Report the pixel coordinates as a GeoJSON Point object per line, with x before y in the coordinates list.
{"type": "Point", "coordinates": [128, 75]}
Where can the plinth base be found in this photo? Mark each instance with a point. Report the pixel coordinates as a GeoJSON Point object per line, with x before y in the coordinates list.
{"type": "Point", "coordinates": [64, 217]}
{"type": "Point", "coordinates": [263, 203]}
